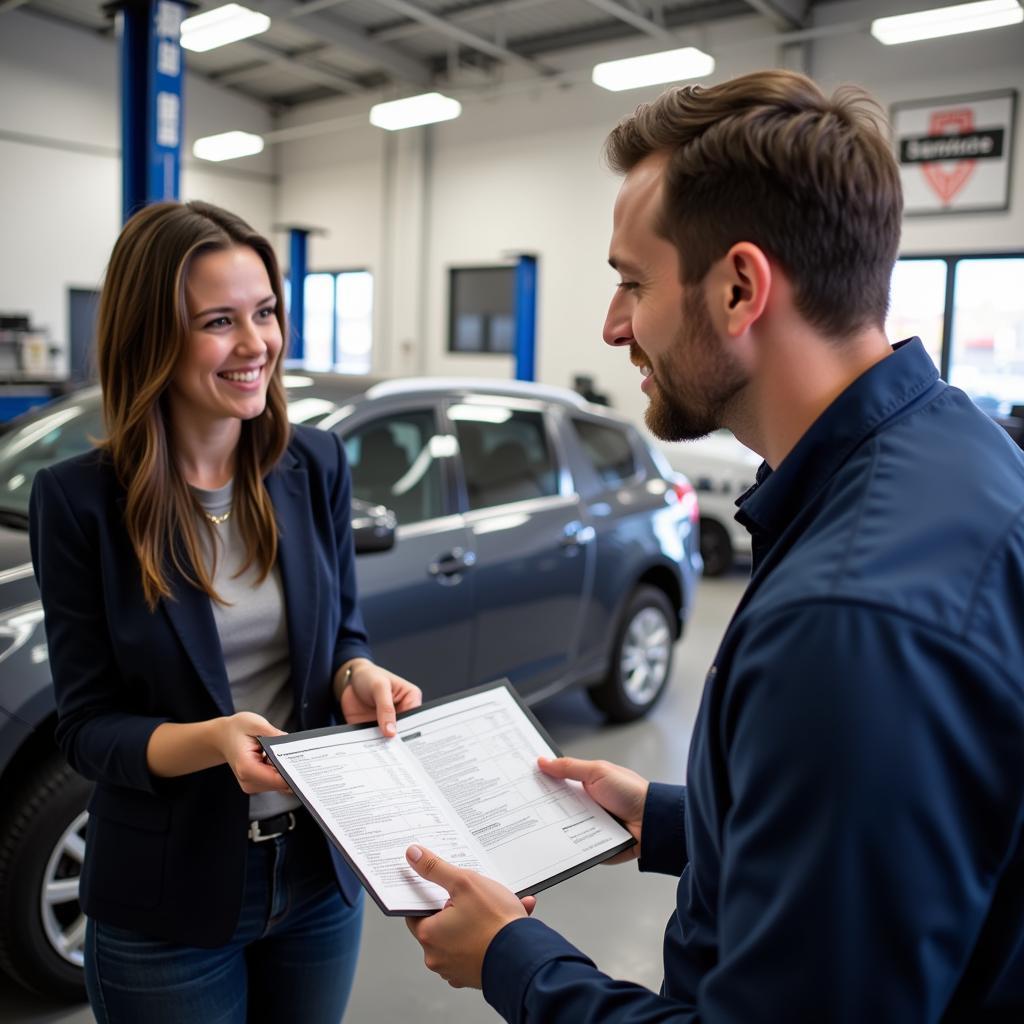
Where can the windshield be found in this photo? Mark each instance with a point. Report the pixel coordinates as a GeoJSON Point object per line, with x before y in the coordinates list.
{"type": "Point", "coordinates": [62, 429]}
{"type": "Point", "coordinates": [73, 425]}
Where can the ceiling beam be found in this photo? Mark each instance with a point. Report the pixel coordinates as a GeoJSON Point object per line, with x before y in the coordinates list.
{"type": "Point", "coordinates": [679, 18]}
{"type": "Point", "coordinates": [354, 38]}
{"type": "Point", "coordinates": [461, 35]}
{"type": "Point", "coordinates": [786, 14]}
{"type": "Point", "coordinates": [474, 12]}
{"type": "Point", "coordinates": [300, 65]}
{"type": "Point", "coordinates": [630, 17]}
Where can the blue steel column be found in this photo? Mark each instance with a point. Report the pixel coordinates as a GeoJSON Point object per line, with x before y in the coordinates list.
{"type": "Point", "coordinates": [151, 101]}
{"type": "Point", "coordinates": [298, 249]}
{"type": "Point", "coordinates": [526, 318]}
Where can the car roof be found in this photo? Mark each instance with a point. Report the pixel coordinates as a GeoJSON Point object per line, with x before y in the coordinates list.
{"type": "Point", "coordinates": [350, 388]}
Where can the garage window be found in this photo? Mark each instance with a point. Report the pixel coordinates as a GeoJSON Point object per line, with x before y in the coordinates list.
{"type": "Point", "coordinates": [969, 311]}
{"type": "Point", "coordinates": [481, 304]}
{"type": "Point", "coordinates": [337, 331]}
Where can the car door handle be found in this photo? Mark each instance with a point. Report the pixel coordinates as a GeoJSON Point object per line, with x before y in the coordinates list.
{"type": "Point", "coordinates": [453, 563]}
{"type": "Point", "coordinates": [575, 535]}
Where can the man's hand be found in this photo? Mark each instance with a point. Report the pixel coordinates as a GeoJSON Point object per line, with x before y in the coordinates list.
{"type": "Point", "coordinates": [618, 790]}
{"type": "Point", "coordinates": [455, 939]}
{"type": "Point", "coordinates": [373, 693]}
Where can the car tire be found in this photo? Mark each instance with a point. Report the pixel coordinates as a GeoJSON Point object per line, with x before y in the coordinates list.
{"type": "Point", "coordinates": [42, 929]}
{"type": "Point", "coordinates": [641, 663]}
{"type": "Point", "coordinates": [715, 548]}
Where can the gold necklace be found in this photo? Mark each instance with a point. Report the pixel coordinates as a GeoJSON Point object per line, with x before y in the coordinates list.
{"type": "Point", "coordinates": [217, 520]}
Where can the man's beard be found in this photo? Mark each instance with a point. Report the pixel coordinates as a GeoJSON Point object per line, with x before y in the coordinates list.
{"type": "Point", "coordinates": [696, 380]}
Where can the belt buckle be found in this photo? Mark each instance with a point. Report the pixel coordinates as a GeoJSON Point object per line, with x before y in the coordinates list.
{"type": "Point", "coordinates": [256, 836]}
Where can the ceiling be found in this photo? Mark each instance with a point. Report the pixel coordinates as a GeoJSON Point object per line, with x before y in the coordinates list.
{"type": "Point", "coordinates": [316, 49]}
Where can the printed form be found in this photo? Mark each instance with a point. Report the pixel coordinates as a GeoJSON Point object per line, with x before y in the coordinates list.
{"type": "Point", "coordinates": [460, 778]}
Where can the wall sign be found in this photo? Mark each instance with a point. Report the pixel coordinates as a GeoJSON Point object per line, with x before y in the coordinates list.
{"type": "Point", "coordinates": [955, 154]}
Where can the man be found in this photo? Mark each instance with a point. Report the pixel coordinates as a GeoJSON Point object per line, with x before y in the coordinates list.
{"type": "Point", "coordinates": [850, 845]}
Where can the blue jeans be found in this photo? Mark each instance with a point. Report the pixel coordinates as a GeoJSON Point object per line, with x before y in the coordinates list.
{"type": "Point", "coordinates": [292, 957]}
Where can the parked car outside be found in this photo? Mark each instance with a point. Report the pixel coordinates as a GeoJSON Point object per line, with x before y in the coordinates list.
{"type": "Point", "coordinates": [538, 538]}
{"type": "Point", "coordinates": [721, 469]}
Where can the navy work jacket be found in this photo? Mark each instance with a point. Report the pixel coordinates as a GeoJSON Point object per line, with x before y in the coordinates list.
{"type": "Point", "coordinates": [167, 857]}
{"type": "Point", "coordinates": [850, 845]}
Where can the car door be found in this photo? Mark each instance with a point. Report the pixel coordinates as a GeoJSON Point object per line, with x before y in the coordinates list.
{"type": "Point", "coordinates": [533, 548]}
{"type": "Point", "coordinates": [416, 598]}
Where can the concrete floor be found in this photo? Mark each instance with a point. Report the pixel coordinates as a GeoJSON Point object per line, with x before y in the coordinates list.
{"type": "Point", "coordinates": [615, 915]}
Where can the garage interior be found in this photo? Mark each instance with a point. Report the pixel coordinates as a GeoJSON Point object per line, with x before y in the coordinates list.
{"type": "Point", "coordinates": [401, 220]}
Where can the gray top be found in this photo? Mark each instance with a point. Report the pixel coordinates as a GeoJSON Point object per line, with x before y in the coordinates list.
{"type": "Point", "coordinates": [253, 633]}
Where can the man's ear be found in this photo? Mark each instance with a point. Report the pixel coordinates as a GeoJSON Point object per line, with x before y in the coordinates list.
{"type": "Point", "coordinates": [738, 288]}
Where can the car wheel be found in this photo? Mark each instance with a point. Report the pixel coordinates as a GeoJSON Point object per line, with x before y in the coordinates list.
{"type": "Point", "coordinates": [641, 657]}
{"type": "Point", "coordinates": [715, 548]}
{"type": "Point", "coordinates": [42, 928]}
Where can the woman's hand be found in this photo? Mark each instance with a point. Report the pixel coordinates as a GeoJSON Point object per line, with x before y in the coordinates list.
{"type": "Point", "coordinates": [372, 693]}
{"type": "Point", "coordinates": [241, 750]}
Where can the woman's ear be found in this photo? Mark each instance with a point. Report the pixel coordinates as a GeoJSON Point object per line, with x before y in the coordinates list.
{"type": "Point", "coordinates": [738, 288]}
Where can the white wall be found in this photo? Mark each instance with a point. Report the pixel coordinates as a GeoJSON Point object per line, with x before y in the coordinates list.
{"type": "Point", "coordinates": [955, 66]}
{"type": "Point", "coordinates": [521, 171]}
{"type": "Point", "coordinates": [60, 169]}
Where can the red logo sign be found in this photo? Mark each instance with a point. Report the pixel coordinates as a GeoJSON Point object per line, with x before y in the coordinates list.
{"type": "Point", "coordinates": [948, 177]}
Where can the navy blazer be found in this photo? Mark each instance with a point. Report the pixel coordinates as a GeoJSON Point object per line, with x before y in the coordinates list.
{"type": "Point", "coordinates": [167, 856]}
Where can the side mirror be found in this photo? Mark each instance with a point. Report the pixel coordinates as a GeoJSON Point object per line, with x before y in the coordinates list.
{"type": "Point", "coordinates": [373, 527]}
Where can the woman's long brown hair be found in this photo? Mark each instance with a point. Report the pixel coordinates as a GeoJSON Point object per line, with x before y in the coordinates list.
{"type": "Point", "coordinates": [142, 331]}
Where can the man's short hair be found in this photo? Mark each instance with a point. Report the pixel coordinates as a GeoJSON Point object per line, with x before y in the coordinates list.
{"type": "Point", "coordinates": [768, 158]}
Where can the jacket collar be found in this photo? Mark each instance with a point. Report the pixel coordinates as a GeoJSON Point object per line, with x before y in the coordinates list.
{"type": "Point", "coordinates": [879, 394]}
{"type": "Point", "coordinates": [191, 613]}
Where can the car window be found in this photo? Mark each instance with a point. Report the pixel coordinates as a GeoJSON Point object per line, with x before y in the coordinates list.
{"type": "Point", "coordinates": [394, 462]}
{"type": "Point", "coordinates": [505, 454]}
{"type": "Point", "coordinates": [64, 429]}
{"type": "Point", "coordinates": [608, 449]}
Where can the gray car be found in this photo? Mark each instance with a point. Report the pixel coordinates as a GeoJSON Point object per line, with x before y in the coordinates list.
{"type": "Point", "coordinates": [538, 538]}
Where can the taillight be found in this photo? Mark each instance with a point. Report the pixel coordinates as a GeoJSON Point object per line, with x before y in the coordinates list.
{"type": "Point", "coordinates": [687, 497]}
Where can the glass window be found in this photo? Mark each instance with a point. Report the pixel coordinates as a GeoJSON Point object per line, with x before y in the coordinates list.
{"type": "Point", "coordinates": [917, 299]}
{"type": "Point", "coordinates": [987, 357]}
{"type": "Point", "coordinates": [318, 328]}
{"type": "Point", "coordinates": [354, 321]}
{"type": "Point", "coordinates": [337, 321]}
{"type": "Point", "coordinates": [63, 429]}
{"type": "Point", "coordinates": [609, 450]}
{"type": "Point", "coordinates": [482, 301]}
{"type": "Point", "coordinates": [394, 461]}
{"type": "Point", "coordinates": [505, 454]}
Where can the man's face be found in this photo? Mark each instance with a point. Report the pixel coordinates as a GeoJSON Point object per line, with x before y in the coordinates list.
{"type": "Point", "coordinates": [688, 374]}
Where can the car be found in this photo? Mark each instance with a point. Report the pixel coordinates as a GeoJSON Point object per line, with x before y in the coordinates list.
{"type": "Point", "coordinates": [502, 530]}
{"type": "Point", "coordinates": [721, 469]}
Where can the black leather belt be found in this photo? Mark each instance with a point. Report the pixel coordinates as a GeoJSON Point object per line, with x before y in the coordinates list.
{"type": "Point", "coordinates": [270, 828]}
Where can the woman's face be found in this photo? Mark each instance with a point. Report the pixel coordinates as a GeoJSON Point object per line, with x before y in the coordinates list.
{"type": "Point", "coordinates": [234, 339]}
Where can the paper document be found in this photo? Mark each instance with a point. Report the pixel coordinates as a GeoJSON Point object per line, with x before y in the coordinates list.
{"type": "Point", "coordinates": [461, 778]}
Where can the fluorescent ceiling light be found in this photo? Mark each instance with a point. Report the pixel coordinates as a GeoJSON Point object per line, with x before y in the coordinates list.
{"type": "Point", "coordinates": [227, 146]}
{"type": "Point", "coordinates": [221, 26]}
{"type": "Point", "coordinates": [428, 108]}
{"type": "Point", "coordinates": [947, 21]}
{"type": "Point", "coordinates": [653, 69]}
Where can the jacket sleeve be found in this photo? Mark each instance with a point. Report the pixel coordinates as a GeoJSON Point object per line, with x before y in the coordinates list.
{"type": "Point", "coordinates": [531, 973]}
{"type": "Point", "coordinates": [352, 640]}
{"type": "Point", "coordinates": [100, 739]}
{"type": "Point", "coordinates": [873, 794]}
{"type": "Point", "coordinates": [663, 833]}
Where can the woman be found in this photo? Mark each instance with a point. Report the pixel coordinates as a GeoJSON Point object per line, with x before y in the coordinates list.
{"type": "Point", "coordinates": [197, 576]}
